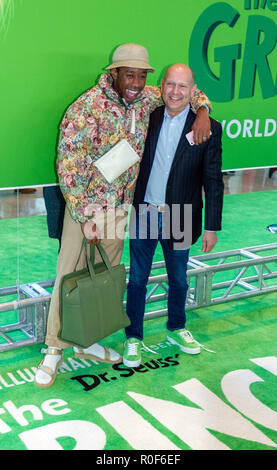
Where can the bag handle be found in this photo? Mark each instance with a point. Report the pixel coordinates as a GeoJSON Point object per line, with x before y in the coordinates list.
{"type": "Point", "coordinates": [82, 247]}
{"type": "Point", "coordinates": [91, 258]}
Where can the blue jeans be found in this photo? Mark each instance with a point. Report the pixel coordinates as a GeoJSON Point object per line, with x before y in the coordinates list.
{"type": "Point", "coordinates": [142, 249]}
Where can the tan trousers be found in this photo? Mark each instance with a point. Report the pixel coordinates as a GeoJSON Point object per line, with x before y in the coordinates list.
{"type": "Point", "coordinates": [70, 249]}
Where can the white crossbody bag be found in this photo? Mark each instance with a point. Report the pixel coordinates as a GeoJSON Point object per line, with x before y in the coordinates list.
{"type": "Point", "coordinates": [117, 160]}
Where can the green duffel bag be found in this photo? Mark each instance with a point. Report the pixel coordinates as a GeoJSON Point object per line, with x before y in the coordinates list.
{"type": "Point", "coordinates": [91, 300]}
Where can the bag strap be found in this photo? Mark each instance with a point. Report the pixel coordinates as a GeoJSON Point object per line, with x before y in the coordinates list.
{"type": "Point", "coordinates": [82, 247]}
{"type": "Point", "coordinates": [102, 253]}
{"type": "Point", "coordinates": [91, 258]}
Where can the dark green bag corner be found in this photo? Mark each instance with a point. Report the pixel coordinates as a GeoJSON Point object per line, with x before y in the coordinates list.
{"type": "Point", "coordinates": [91, 300]}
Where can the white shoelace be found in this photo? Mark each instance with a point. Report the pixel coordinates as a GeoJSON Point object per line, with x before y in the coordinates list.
{"type": "Point", "coordinates": [187, 336]}
{"type": "Point", "coordinates": [148, 349]}
{"type": "Point", "coordinates": [133, 348]}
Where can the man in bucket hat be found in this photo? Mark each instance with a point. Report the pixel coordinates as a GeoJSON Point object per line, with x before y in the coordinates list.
{"type": "Point", "coordinates": [117, 108]}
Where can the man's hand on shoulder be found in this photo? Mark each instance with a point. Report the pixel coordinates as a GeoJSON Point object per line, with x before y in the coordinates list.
{"type": "Point", "coordinates": [201, 126]}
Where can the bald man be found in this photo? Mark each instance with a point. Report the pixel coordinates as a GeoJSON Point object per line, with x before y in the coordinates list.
{"type": "Point", "coordinates": [173, 173]}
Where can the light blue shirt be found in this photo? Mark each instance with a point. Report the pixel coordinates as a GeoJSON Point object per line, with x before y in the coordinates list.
{"type": "Point", "coordinates": [169, 137]}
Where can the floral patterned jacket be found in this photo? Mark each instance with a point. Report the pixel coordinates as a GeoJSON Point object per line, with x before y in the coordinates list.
{"type": "Point", "coordinates": [91, 126]}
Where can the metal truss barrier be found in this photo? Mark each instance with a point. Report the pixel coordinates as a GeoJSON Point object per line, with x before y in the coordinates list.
{"type": "Point", "coordinates": [213, 278]}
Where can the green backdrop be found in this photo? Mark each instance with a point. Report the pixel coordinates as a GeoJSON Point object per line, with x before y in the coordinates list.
{"type": "Point", "coordinates": [52, 51]}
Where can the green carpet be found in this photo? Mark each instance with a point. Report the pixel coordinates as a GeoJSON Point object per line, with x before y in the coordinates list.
{"type": "Point", "coordinates": [174, 402]}
{"type": "Point", "coordinates": [220, 400]}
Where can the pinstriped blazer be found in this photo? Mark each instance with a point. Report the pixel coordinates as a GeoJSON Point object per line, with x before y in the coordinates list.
{"type": "Point", "coordinates": [195, 170]}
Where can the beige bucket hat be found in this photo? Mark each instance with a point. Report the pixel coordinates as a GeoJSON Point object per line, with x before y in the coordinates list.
{"type": "Point", "coordinates": [131, 55]}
